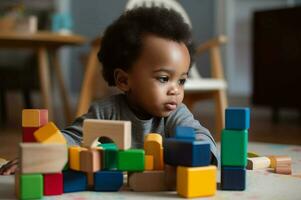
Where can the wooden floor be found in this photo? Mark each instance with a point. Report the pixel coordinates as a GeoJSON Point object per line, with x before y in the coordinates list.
{"type": "Point", "coordinates": [287, 131]}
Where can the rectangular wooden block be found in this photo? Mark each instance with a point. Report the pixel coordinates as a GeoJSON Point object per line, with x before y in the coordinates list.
{"type": "Point", "coordinates": [53, 184]}
{"type": "Point", "coordinates": [149, 162]}
{"type": "Point", "coordinates": [74, 157]}
{"type": "Point", "coordinates": [258, 163]}
{"type": "Point", "coordinates": [237, 118]}
{"type": "Point", "coordinates": [27, 134]}
{"type": "Point", "coordinates": [196, 181]}
{"type": "Point", "coordinates": [118, 131]}
{"type": "Point", "coordinates": [130, 160]}
{"type": "Point", "coordinates": [110, 153]}
{"type": "Point", "coordinates": [279, 160]}
{"type": "Point", "coordinates": [74, 181]}
{"type": "Point", "coordinates": [155, 181]}
{"type": "Point", "coordinates": [233, 178]}
{"type": "Point", "coordinates": [183, 132]}
{"type": "Point", "coordinates": [186, 152]}
{"type": "Point", "coordinates": [170, 177]}
{"type": "Point", "coordinates": [42, 158]}
{"type": "Point", "coordinates": [90, 160]}
{"type": "Point", "coordinates": [34, 117]}
{"type": "Point", "coordinates": [283, 169]}
{"type": "Point", "coordinates": [153, 146]}
{"type": "Point", "coordinates": [234, 145]}
{"type": "Point", "coordinates": [108, 180]}
{"type": "Point", "coordinates": [31, 186]}
{"type": "Point", "coordinates": [49, 133]}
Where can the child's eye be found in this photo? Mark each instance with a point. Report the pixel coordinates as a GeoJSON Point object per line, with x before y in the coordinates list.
{"type": "Point", "coordinates": [163, 79]}
{"type": "Point", "coordinates": [182, 81]}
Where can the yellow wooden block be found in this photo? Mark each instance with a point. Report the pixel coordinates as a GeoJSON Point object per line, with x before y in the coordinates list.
{"type": "Point", "coordinates": [149, 162]}
{"type": "Point", "coordinates": [74, 158]}
{"type": "Point", "coordinates": [196, 181]}
{"type": "Point", "coordinates": [31, 118]}
{"type": "Point", "coordinates": [153, 146]}
{"type": "Point", "coordinates": [49, 134]}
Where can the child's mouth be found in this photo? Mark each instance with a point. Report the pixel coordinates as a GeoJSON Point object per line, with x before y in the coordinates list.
{"type": "Point", "coordinates": [171, 106]}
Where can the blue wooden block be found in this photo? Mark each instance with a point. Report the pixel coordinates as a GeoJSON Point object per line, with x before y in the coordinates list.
{"type": "Point", "coordinates": [186, 152]}
{"type": "Point", "coordinates": [233, 178]}
{"type": "Point", "coordinates": [108, 180]}
{"type": "Point", "coordinates": [237, 118]}
{"type": "Point", "coordinates": [183, 132]}
{"type": "Point", "coordinates": [74, 181]}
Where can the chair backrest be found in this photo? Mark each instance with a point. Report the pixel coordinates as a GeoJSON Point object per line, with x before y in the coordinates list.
{"type": "Point", "coordinates": [169, 4]}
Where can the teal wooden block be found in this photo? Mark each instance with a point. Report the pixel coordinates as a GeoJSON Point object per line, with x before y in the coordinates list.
{"type": "Point", "coordinates": [109, 156]}
{"type": "Point", "coordinates": [31, 186]}
{"type": "Point", "coordinates": [131, 160]}
{"type": "Point", "coordinates": [234, 147]}
{"type": "Point", "coordinates": [237, 118]}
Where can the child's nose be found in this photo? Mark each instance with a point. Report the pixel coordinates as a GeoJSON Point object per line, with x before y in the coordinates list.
{"type": "Point", "coordinates": [174, 90]}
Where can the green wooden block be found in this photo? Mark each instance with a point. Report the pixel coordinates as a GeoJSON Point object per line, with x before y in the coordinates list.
{"type": "Point", "coordinates": [234, 147]}
{"type": "Point", "coordinates": [109, 156]}
{"type": "Point", "coordinates": [31, 186]}
{"type": "Point", "coordinates": [131, 160]}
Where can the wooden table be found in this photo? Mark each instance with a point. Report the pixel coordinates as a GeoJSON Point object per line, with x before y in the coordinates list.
{"type": "Point", "coordinates": [45, 43]}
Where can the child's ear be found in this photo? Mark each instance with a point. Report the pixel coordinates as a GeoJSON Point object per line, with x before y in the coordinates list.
{"type": "Point", "coordinates": [121, 79]}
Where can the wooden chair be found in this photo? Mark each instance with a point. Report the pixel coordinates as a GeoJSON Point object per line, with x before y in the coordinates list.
{"type": "Point", "coordinates": [196, 87]}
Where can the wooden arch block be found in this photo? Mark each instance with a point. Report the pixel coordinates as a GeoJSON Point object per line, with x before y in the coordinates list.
{"type": "Point", "coordinates": [153, 146]}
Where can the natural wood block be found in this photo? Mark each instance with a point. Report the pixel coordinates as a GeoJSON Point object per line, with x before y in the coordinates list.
{"type": "Point", "coordinates": [284, 169]}
{"type": "Point", "coordinates": [196, 181]}
{"type": "Point", "coordinates": [258, 163]}
{"type": "Point", "coordinates": [90, 179]}
{"type": "Point", "coordinates": [118, 131]}
{"type": "Point", "coordinates": [34, 117]}
{"type": "Point", "coordinates": [42, 158]}
{"type": "Point", "coordinates": [90, 160]}
{"type": "Point", "coordinates": [149, 162]}
{"type": "Point", "coordinates": [49, 133]}
{"type": "Point", "coordinates": [147, 181]}
{"type": "Point", "coordinates": [279, 160]}
{"type": "Point", "coordinates": [74, 157]}
{"type": "Point", "coordinates": [153, 146]}
{"type": "Point", "coordinates": [170, 177]}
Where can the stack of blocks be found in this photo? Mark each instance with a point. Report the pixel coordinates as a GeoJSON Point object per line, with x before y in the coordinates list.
{"type": "Point", "coordinates": [234, 149]}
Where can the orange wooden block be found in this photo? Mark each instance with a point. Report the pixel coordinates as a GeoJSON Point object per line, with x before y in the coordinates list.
{"type": "Point", "coordinates": [74, 157]}
{"type": "Point", "coordinates": [153, 146]}
{"type": "Point", "coordinates": [149, 162]}
{"type": "Point", "coordinates": [34, 117]}
{"type": "Point", "coordinates": [90, 160]}
{"type": "Point", "coordinates": [49, 133]}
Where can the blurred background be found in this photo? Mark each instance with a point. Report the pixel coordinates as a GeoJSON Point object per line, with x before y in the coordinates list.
{"type": "Point", "coordinates": [261, 60]}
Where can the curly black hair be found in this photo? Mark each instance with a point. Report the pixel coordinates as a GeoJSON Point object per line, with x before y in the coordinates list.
{"type": "Point", "coordinates": [122, 41]}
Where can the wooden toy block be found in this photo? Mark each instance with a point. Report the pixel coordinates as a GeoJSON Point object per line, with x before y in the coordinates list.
{"type": "Point", "coordinates": [130, 160]}
{"type": "Point", "coordinates": [283, 169]}
{"type": "Point", "coordinates": [110, 153]}
{"type": "Point", "coordinates": [90, 160]}
{"type": "Point", "coordinates": [258, 163]}
{"type": "Point", "coordinates": [279, 160]}
{"type": "Point", "coordinates": [182, 132]}
{"type": "Point", "coordinates": [31, 186]}
{"type": "Point", "coordinates": [237, 118]}
{"type": "Point", "coordinates": [170, 177]}
{"type": "Point", "coordinates": [108, 180]}
{"type": "Point", "coordinates": [153, 146]}
{"type": "Point", "coordinates": [74, 181]}
{"type": "Point", "coordinates": [90, 179]}
{"type": "Point", "coordinates": [53, 184]}
{"type": "Point", "coordinates": [233, 178]}
{"type": "Point", "coordinates": [234, 146]}
{"type": "Point", "coordinates": [196, 181]}
{"type": "Point", "coordinates": [27, 135]}
{"type": "Point", "coordinates": [42, 158]}
{"type": "Point", "coordinates": [118, 131]}
{"type": "Point", "coordinates": [49, 133]}
{"type": "Point", "coordinates": [188, 153]}
{"type": "Point", "coordinates": [74, 157]}
{"type": "Point", "coordinates": [147, 181]}
{"type": "Point", "coordinates": [149, 162]}
{"type": "Point", "coordinates": [34, 117]}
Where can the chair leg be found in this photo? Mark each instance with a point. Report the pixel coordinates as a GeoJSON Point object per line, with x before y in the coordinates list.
{"type": "Point", "coordinates": [220, 106]}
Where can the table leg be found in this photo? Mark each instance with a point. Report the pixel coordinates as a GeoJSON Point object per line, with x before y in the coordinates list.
{"type": "Point", "coordinates": [62, 86]}
{"type": "Point", "coordinates": [45, 80]}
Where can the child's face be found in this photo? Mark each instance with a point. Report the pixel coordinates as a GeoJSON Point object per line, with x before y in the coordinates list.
{"type": "Point", "coordinates": [156, 80]}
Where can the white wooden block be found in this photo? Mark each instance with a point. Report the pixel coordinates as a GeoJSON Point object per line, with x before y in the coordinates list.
{"type": "Point", "coordinates": [118, 131]}
{"type": "Point", "coordinates": [42, 158]}
{"type": "Point", "coordinates": [258, 163]}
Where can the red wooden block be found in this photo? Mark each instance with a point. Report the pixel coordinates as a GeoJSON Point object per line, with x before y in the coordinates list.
{"type": "Point", "coordinates": [27, 135]}
{"type": "Point", "coordinates": [53, 184]}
